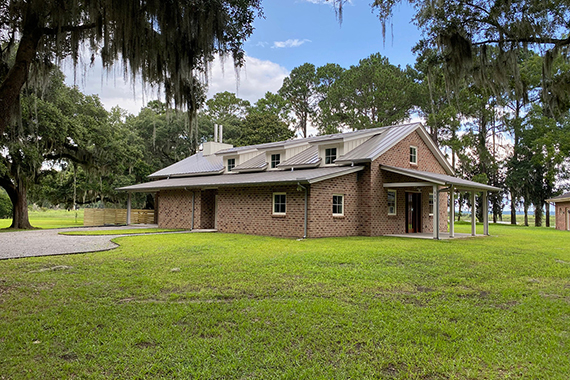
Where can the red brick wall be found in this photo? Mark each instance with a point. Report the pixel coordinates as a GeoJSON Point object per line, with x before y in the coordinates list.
{"type": "Point", "coordinates": [322, 223]}
{"type": "Point", "coordinates": [374, 211]}
{"type": "Point", "coordinates": [562, 208]}
{"type": "Point", "coordinates": [249, 210]}
{"type": "Point", "coordinates": [175, 209]}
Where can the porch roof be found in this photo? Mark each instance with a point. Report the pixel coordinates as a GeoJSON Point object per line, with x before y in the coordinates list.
{"type": "Point", "coordinates": [441, 179]}
{"type": "Point", "coordinates": [280, 177]}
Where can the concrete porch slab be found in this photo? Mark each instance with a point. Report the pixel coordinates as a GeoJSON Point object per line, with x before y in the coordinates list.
{"type": "Point", "coordinates": [442, 235]}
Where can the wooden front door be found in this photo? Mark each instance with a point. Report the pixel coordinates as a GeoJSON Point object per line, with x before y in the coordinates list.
{"type": "Point", "coordinates": [413, 212]}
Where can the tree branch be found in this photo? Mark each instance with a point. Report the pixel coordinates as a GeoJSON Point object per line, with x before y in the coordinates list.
{"type": "Point", "coordinates": [68, 29]}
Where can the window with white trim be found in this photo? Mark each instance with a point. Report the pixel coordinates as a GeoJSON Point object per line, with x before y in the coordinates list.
{"type": "Point", "coordinates": [275, 160]}
{"type": "Point", "coordinates": [279, 203]}
{"type": "Point", "coordinates": [392, 202]}
{"type": "Point", "coordinates": [231, 164]}
{"type": "Point", "coordinates": [330, 156]}
{"type": "Point", "coordinates": [430, 202]}
{"type": "Point", "coordinates": [413, 155]}
{"type": "Point", "coordinates": [338, 205]}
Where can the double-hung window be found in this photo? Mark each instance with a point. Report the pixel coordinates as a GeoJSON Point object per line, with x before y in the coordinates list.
{"type": "Point", "coordinates": [279, 203]}
{"type": "Point", "coordinates": [391, 202]}
{"type": "Point", "coordinates": [275, 160]}
{"type": "Point", "coordinates": [231, 164]}
{"type": "Point", "coordinates": [338, 205]}
{"type": "Point", "coordinates": [413, 155]}
{"type": "Point", "coordinates": [330, 156]}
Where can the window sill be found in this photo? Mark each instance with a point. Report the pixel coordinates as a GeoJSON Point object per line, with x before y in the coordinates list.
{"type": "Point", "coordinates": [392, 214]}
{"type": "Point", "coordinates": [338, 216]}
{"type": "Point", "coordinates": [278, 215]}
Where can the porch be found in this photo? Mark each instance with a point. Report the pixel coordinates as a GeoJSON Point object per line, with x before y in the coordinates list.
{"type": "Point", "coordinates": [441, 183]}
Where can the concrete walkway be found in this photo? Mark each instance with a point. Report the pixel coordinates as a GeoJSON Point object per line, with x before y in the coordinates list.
{"type": "Point", "coordinates": [49, 242]}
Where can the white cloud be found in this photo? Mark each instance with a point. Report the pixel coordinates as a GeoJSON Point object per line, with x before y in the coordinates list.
{"type": "Point", "coordinates": [290, 43]}
{"type": "Point", "coordinates": [255, 79]}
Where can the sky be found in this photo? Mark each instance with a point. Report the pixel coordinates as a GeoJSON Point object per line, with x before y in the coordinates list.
{"type": "Point", "coordinates": [291, 33]}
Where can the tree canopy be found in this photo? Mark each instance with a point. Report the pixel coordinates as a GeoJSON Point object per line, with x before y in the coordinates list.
{"type": "Point", "coordinates": [167, 43]}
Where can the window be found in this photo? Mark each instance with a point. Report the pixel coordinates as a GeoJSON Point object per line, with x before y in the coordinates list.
{"type": "Point", "coordinates": [338, 205]}
{"type": "Point", "coordinates": [413, 155]}
{"type": "Point", "coordinates": [391, 202]}
{"type": "Point", "coordinates": [279, 203]}
{"type": "Point", "coordinates": [330, 156]}
{"type": "Point", "coordinates": [275, 160]}
{"type": "Point", "coordinates": [231, 164]}
{"type": "Point", "coordinates": [430, 203]}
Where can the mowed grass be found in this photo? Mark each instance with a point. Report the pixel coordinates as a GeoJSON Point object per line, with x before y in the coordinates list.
{"type": "Point", "coordinates": [132, 231]}
{"type": "Point", "coordinates": [221, 306]}
{"type": "Point", "coordinates": [50, 219]}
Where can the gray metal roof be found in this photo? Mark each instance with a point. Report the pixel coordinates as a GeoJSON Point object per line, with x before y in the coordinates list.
{"type": "Point", "coordinates": [441, 179]}
{"type": "Point", "coordinates": [376, 145]}
{"type": "Point", "coordinates": [193, 165]}
{"type": "Point", "coordinates": [310, 140]}
{"type": "Point", "coordinates": [307, 158]}
{"type": "Point", "coordinates": [278, 177]}
{"type": "Point", "coordinates": [561, 198]}
{"type": "Point", "coordinates": [257, 163]}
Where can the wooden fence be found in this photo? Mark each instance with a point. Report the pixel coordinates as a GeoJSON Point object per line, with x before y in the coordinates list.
{"type": "Point", "coordinates": [107, 216]}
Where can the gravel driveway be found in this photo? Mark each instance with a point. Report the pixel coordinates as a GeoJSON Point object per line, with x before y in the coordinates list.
{"type": "Point", "coordinates": [49, 242]}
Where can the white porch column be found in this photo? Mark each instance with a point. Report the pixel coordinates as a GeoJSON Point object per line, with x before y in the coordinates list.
{"type": "Point", "coordinates": [485, 214]}
{"type": "Point", "coordinates": [129, 209]}
{"type": "Point", "coordinates": [435, 212]}
{"type": "Point", "coordinates": [452, 211]}
{"type": "Point", "coordinates": [473, 217]}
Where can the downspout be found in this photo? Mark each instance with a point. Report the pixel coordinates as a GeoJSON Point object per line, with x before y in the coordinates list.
{"type": "Point", "coordinates": [306, 208]}
{"type": "Point", "coordinates": [193, 207]}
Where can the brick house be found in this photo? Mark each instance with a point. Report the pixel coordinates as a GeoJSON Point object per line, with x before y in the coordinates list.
{"type": "Point", "coordinates": [562, 210]}
{"type": "Point", "coordinates": [369, 182]}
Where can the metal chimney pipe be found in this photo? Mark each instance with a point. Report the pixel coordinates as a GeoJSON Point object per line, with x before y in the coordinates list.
{"type": "Point", "coordinates": [215, 132]}
{"type": "Point", "coordinates": [221, 132]}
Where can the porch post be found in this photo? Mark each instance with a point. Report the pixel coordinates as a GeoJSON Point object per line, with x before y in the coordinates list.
{"type": "Point", "coordinates": [485, 214]}
{"type": "Point", "coordinates": [435, 212]}
{"type": "Point", "coordinates": [129, 209]}
{"type": "Point", "coordinates": [452, 212]}
{"type": "Point", "coordinates": [473, 218]}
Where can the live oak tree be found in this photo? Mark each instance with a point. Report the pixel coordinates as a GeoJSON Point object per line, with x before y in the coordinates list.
{"type": "Point", "coordinates": [168, 43]}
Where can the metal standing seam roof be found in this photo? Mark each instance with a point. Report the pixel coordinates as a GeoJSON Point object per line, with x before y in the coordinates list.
{"type": "Point", "coordinates": [561, 198]}
{"type": "Point", "coordinates": [440, 179]}
{"type": "Point", "coordinates": [195, 164]}
{"type": "Point", "coordinates": [307, 158]}
{"type": "Point", "coordinates": [376, 145]}
{"type": "Point", "coordinates": [278, 177]}
{"type": "Point", "coordinates": [257, 163]}
{"type": "Point", "coordinates": [309, 140]}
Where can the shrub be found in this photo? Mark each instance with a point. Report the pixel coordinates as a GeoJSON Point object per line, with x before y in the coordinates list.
{"type": "Point", "coordinates": [5, 205]}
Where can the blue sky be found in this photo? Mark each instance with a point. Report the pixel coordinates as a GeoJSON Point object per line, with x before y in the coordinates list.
{"type": "Point", "coordinates": [293, 32]}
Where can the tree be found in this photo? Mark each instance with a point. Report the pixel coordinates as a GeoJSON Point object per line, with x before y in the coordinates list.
{"type": "Point", "coordinates": [274, 104]}
{"type": "Point", "coordinates": [299, 88]}
{"type": "Point", "coordinates": [226, 109]}
{"type": "Point", "coordinates": [259, 128]}
{"type": "Point", "coordinates": [328, 118]}
{"type": "Point", "coordinates": [372, 94]}
{"type": "Point", "coordinates": [59, 126]}
{"type": "Point", "coordinates": [168, 44]}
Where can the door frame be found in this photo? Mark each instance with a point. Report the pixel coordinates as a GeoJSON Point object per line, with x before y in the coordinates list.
{"type": "Point", "coordinates": [416, 203]}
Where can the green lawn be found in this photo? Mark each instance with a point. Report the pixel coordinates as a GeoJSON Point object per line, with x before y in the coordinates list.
{"type": "Point", "coordinates": [221, 306]}
{"type": "Point", "coordinates": [50, 219]}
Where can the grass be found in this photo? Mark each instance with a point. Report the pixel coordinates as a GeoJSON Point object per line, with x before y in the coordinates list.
{"type": "Point", "coordinates": [121, 232]}
{"type": "Point", "coordinates": [50, 219]}
{"type": "Point", "coordinates": [221, 306]}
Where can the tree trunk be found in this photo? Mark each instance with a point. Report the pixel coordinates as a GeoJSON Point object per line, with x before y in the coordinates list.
{"type": "Point", "coordinates": [18, 75]}
{"type": "Point", "coordinates": [18, 197]}
{"type": "Point", "coordinates": [547, 214]}
{"type": "Point", "coordinates": [538, 215]}
{"type": "Point", "coordinates": [525, 213]}
{"type": "Point", "coordinates": [513, 208]}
